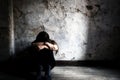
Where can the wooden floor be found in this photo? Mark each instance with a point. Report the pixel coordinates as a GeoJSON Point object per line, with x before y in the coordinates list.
{"type": "Point", "coordinates": [74, 73]}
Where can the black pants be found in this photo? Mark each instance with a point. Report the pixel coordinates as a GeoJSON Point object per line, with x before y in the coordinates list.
{"type": "Point", "coordinates": [46, 69]}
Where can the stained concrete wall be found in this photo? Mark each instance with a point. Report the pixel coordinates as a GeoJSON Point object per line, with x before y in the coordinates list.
{"type": "Point", "coordinates": [63, 20]}
{"type": "Point", "coordinates": [83, 29]}
{"type": "Point", "coordinates": [104, 29]}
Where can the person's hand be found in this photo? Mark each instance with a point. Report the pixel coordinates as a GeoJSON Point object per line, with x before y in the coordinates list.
{"type": "Point", "coordinates": [41, 45]}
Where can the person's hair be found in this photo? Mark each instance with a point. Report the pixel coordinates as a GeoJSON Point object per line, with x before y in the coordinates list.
{"type": "Point", "coordinates": [42, 37]}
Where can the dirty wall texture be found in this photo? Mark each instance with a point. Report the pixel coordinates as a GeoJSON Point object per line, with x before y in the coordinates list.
{"type": "Point", "coordinates": [4, 30]}
{"type": "Point", "coordinates": [104, 30]}
{"type": "Point", "coordinates": [83, 29]}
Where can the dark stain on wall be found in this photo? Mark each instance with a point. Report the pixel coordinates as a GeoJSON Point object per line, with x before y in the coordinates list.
{"type": "Point", "coordinates": [89, 7]}
{"type": "Point", "coordinates": [46, 3]}
{"type": "Point", "coordinates": [18, 13]}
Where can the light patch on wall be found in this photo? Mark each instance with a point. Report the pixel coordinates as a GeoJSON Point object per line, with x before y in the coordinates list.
{"type": "Point", "coordinates": [73, 46]}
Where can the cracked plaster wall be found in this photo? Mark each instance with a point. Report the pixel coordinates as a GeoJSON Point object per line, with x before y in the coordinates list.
{"type": "Point", "coordinates": [83, 29]}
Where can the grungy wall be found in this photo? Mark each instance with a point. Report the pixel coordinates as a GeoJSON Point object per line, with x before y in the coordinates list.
{"type": "Point", "coordinates": [83, 29]}
{"type": "Point", "coordinates": [63, 20]}
{"type": "Point", "coordinates": [104, 30]}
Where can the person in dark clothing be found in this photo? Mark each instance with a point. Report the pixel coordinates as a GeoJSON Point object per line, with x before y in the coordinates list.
{"type": "Point", "coordinates": [44, 54]}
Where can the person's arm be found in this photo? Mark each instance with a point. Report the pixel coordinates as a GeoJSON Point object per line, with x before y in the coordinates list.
{"type": "Point", "coordinates": [53, 47]}
{"type": "Point", "coordinates": [47, 45]}
{"type": "Point", "coordinates": [41, 45]}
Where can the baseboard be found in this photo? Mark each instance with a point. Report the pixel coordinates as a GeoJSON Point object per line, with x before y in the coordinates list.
{"type": "Point", "coordinates": [96, 63]}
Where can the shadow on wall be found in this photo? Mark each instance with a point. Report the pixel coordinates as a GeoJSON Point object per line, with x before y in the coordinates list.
{"type": "Point", "coordinates": [104, 30]}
